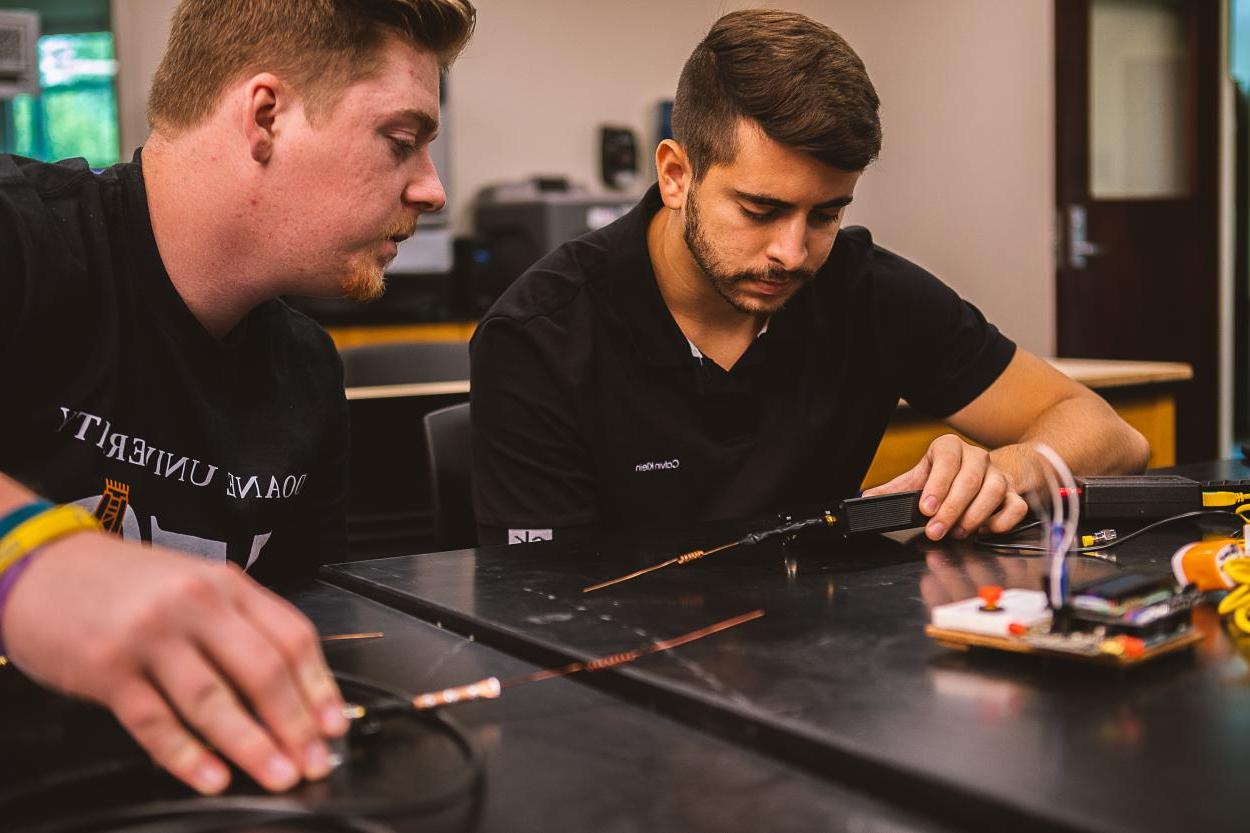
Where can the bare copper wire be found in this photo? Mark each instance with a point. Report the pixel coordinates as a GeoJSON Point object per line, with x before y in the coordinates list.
{"type": "Point", "coordinates": [608, 662]}
{"type": "Point", "coordinates": [684, 558]}
{"type": "Point", "coordinates": [339, 637]}
{"type": "Point", "coordinates": [491, 687]}
{"type": "Point", "coordinates": [488, 689]}
{"type": "Point", "coordinates": [612, 660]}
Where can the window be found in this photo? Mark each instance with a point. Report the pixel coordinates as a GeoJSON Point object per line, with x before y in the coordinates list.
{"type": "Point", "coordinates": [76, 113]}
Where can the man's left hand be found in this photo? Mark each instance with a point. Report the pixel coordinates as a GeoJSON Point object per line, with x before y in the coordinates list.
{"type": "Point", "coordinates": [962, 490]}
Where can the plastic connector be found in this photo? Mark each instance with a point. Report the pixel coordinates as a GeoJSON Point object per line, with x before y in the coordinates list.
{"type": "Point", "coordinates": [1102, 536]}
{"type": "Point", "coordinates": [1219, 500]}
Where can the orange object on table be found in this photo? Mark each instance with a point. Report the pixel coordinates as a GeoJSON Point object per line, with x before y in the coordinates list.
{"type": "Point", "coordinates": [990, 594]}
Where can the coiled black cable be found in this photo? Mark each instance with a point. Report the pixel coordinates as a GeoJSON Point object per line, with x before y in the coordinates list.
{"type": "Point", "coordinates": [224, 813]}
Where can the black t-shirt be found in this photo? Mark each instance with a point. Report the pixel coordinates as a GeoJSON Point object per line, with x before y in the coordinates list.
{"type": "Point", "coordinates": [590, 408]}
{"type": "Point", "coordinates": [119, 400]}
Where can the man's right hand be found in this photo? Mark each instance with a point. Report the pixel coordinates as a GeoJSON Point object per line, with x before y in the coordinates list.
{"type": "Point", "coordinates": [185, 653]}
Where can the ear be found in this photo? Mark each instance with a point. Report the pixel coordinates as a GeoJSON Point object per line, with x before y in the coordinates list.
{"type": "Point", "coordinates": [675, 175]}
{"type": "Point", "coordinates": [264, 98]}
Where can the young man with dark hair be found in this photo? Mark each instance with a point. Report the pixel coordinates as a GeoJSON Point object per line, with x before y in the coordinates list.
{"type": "Point", "coordinates": [725, 351]}
{"type": "Point", "coordinates": [161, 394]}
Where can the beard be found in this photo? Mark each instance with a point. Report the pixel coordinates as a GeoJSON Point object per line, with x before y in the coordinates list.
{"type": "Point", "coordinates": [726, 282]}
{"type": "Point", "coordinates": [366, 279]}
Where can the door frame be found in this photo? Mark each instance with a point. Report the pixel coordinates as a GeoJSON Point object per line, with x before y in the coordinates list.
{"type": "Point", "coordinates": [1210, 176]}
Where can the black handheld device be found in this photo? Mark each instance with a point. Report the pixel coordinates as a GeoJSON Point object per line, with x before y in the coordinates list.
{"type": "Point", "coordinates": [880, 513]}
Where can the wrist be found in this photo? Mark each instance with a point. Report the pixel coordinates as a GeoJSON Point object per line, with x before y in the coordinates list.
{"type": "Point", "coordinates": [8, 582]}
{"type": "Point", "coordinates": [24, 532]}
{"type": "Point", "coordinates": [39, 525]}
{"type": "Point", "coordinates": [1019, 464]}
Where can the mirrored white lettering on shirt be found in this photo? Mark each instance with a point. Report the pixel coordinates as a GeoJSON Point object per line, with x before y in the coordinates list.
{"type": "Point", "coordinates": [658, 465]}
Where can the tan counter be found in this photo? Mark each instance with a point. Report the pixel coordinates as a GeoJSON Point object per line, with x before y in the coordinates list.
{"type": "Point", "coordinates": [1140, 392]}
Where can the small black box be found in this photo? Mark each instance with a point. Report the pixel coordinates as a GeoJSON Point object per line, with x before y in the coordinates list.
{"type": "Point", "coordinates": [1149, 496]}
{"type": "Point", "coordinates": [1124, 585]}
{"type": "Point", "coordinates": [881, 513]}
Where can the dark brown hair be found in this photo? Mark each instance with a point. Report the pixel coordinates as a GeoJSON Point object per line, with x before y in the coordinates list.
{"type": "Point", "coordinates": [319, 46]}
{"type": "Point", "coordinates": [799, 80]}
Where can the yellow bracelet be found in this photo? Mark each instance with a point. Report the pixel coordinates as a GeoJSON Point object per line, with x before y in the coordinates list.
{"type": "Point", "coordinates": [44, 528]}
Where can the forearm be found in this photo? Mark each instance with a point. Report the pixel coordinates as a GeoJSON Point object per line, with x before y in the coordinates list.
{"type": "Point", "coordinates": [1086, 433]}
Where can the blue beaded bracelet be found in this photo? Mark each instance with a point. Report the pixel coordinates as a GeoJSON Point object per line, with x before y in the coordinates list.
{"type": "Point", "coordinates": [19, 516]}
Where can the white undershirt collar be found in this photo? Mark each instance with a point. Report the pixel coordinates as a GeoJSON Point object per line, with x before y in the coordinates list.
{"type": "Point", "coordinates": [694, 351]}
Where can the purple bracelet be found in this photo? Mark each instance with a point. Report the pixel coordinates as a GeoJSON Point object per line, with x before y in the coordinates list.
{"type": "Point", "coordinates": [7, 582]}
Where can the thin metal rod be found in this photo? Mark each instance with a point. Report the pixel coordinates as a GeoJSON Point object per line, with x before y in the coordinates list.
{"type": "Point", "coordinates": [592, 588]}
{"type": "Point", "coordinates": [339, 637]}
{"type": "Point", "coordinates": [684, 558]}
{"type": "Point", "coordinates": [492, 687]}
{"type": "Point", "coordinates": [825, 518]}
{"type": "Point", "coordinates": [612, 660]}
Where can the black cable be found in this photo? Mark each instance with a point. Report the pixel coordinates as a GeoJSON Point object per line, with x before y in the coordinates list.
{"type": "Point", "coordinates": [470, 785]}
{"type": "Point", "coordinates": [210, 815]}
{"type": "Point", "coordinates": [787, 528]}
{"type": "Point", "coordinates": [71, 777]}
{"type": "Point", "coordinates": [1016, 530]}
{"type": "Point", "coordinates": [1106, 545]}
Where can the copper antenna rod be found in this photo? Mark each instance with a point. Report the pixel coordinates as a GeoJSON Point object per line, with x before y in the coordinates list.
{"type": "Point", "coordinates": [492, 687]}
{"type": "Point", "coordinates": [339, 637]}
{"type": "Point", "coordinates": [788, 528]}
{"type": "Point", "coordinates": [684, 558]}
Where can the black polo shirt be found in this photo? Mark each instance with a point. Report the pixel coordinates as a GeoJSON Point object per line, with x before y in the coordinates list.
{"type": "Point", "coordinates": [590, 409]}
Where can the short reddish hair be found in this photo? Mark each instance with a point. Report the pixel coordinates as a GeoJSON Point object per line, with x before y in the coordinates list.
{"type": "Point", "coordinates": [320, 46]}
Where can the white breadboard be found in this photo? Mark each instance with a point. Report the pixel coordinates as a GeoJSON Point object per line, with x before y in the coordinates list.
{"type": "Point", "coordinates": [1020, 607]}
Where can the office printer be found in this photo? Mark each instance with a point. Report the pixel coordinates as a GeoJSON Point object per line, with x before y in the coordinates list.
{"type": "Point", "coordinates": [518, 223]}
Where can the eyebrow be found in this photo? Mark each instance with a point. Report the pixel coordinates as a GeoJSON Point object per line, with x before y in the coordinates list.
{"type": "Point", "coordinates": [761, 199]}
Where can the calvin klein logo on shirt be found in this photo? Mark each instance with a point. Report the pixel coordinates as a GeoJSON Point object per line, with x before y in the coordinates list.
{"type": "Point", "coordinates": [658, 465]}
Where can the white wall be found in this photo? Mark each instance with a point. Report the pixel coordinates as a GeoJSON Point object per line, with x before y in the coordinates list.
{"type": "Point", "coordinates": [140, 29]}
{"type": "Point", "coordinates": [965, 183]}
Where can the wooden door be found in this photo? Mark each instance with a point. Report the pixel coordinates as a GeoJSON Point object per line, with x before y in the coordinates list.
{"type": "Point", "coordinates": [1137, 168]}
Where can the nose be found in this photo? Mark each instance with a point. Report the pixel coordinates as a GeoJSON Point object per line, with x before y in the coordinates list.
{"type": "Point", "coordinates": [788, 246]}
{"type": "Point", "coordinates": [425, 191]}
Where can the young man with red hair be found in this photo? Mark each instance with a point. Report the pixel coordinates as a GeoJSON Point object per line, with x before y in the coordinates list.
{"type": "Point", "coordinates": [159, 389]}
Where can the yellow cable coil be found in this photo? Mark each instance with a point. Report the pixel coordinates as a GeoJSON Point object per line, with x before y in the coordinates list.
{"type": "Point", "coordinates": [1237, 602]}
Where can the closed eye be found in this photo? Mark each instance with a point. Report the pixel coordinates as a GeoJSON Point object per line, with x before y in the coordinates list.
{"type": "Point", "coordinates": [758, 216]}
{"type": "Point", "coordinates": [403, 146]}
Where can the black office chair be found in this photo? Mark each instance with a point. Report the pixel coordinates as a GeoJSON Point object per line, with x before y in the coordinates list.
{"type": "Point", "coordinates": [405, 362]}
{"type": "Point", "coordinates": [389, 508]}
{"type": "Point", "coordinates": [448, 438]}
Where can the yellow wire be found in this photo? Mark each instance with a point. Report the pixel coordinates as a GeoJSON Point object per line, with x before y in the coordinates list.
{"type": "Point", "coordinates": [1237, 602]}
{"type": "Point", "coordinates": [1235, 599]}
{"type": "Point", "coordinates": [1241, 619]}
{"type": "Point", "coordinates": [1211, 499]}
